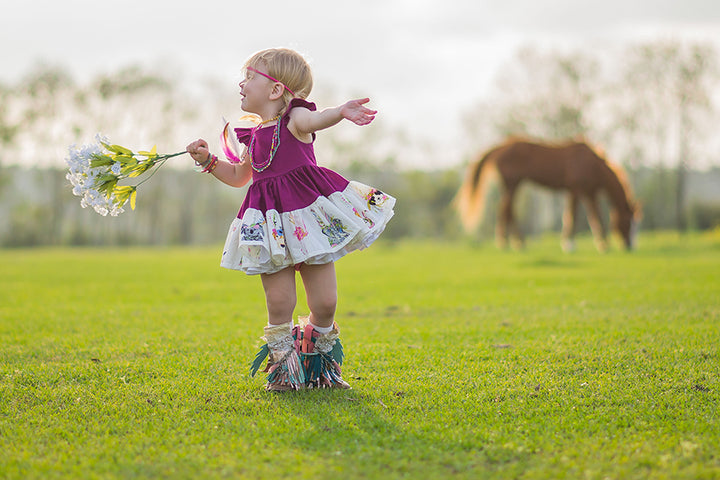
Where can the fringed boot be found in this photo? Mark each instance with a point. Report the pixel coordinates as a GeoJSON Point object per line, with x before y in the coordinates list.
{"type": "Point", "coordinates": [321, 355]}
{"type": "Point", "coordinates": [283, 367]}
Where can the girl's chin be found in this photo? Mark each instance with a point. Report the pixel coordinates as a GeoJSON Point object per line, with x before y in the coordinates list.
{"type": "Point", "coordinates": [245, 107]}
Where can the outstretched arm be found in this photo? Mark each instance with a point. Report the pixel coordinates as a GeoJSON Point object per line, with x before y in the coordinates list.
{"type": "Point", "coordinates": [303, 122]}
{"type": "Point", "coordinates": [235, 175]}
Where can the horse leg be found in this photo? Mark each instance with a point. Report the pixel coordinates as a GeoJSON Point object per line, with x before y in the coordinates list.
{"type": "Point", "coordinates": [507, 226]}
{"type": "Point", "coordinates": [596, 224]}
{"type": "Point", "coordinates": [501, 235]}
{"type": "Point", "coordinates": [568, 232]}
{"type": "Point", "coordinates": [515, 231]}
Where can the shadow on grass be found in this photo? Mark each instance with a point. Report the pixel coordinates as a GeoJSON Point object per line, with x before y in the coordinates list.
{"type": "Point", "coordinates": [554, 262]}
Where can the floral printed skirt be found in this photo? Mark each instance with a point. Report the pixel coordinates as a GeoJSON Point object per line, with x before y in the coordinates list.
{"type": "Point", "coordinates": [329, 228]}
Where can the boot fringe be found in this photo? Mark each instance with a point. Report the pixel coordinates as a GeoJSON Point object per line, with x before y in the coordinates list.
{"type": "Point", "coordinates": [322, 371]}
{"type": "Point", "coordinates": [287, 374]}
{"type": "Point", "coordinates": [259, 359]}
{"type": "Point", "coordinates": [303, 366]}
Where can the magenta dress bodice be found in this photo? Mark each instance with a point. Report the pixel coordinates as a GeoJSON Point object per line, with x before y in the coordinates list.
{"type": "Point", "coordinates": [295, 211]}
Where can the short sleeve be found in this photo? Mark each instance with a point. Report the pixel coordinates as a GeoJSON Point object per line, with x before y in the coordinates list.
{"type": "Point", "coordinates": [243, 135]}
{"type": "Point", "coordinates": [299, 102]}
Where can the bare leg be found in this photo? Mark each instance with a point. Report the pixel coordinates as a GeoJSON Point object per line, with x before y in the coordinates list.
{"type": "Point", "coordinates": [596, 225]}
{"type": "Point", "coordinates": [322, 370]}
{"type": "Point", "coordinates": [284, 369]}
{"type": "Point", "coordinates": [280, 295]}
{"type": "Point", "coordinates": [321, 289]}
{"type": "Point", "coordinates": [569, 217]}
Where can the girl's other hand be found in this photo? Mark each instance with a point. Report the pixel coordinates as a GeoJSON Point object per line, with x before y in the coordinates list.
{"type": "Point", "coordinates": [357, 113]}
{"type": "Point", "coordinates": [199, 151]}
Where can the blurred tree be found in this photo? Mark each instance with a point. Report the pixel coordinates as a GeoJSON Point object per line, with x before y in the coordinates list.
{"type": "Point", "coordinates": [546, 95]}
{"type": "Point", "coordinates": [41, 90]}
{"type": "Point", "coordinates": [129, 81]}
{"type": "Point", "coordinates": [670, 86]}
{"type": "Point", "coordinates": [8, 128]}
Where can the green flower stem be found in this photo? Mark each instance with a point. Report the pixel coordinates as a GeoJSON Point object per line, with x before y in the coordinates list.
{"type": "Point", "coordinates": [159, 162]}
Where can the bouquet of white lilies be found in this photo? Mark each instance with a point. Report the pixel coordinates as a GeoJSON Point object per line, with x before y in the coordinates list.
{"type": "Point", "coordinates": [97, 169]}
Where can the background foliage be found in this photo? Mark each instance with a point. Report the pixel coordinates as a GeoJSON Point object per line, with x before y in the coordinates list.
{"type": "Point", "coordinates": [652, 107]}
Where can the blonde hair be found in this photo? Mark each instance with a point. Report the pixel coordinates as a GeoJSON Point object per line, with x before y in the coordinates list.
{"type": "Point", "coordinates": [289, 68]}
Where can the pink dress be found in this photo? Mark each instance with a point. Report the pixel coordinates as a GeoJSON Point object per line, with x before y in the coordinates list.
{"type": "Point", "coordinates": [297, 212]}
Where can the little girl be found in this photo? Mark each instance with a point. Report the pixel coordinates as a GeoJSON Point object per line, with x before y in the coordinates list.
{"type": "Point", "coordinates": [296, 216]}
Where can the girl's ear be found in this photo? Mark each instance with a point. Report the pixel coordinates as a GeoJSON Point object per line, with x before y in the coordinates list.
{"type": "Point", "coordinates": [277, 91]}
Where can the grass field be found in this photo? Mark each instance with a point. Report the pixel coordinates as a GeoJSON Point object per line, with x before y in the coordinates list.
{"type": "Point", "coordinates": [466, 362]}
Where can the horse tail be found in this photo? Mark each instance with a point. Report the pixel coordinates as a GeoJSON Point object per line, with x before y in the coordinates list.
{"type": "Point", "coordinates": [470, 199]}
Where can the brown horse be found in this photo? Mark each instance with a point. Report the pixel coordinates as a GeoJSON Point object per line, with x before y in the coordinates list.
{"type": "Point", "coordinates": [574, 167]}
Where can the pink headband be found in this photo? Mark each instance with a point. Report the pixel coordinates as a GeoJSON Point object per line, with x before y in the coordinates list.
{"type": "Point", "coordinates": [271, 78]}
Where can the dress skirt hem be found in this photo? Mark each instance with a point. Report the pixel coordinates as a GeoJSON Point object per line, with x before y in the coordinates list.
{"type": "Point", "coordinates": [326, 230]}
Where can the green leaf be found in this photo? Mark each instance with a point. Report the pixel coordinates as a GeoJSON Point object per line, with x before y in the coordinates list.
{"type": "Point", "coordinates": [119, 149]}
{"type": "Point", "coordinates": [151, 154]}
{"type": "Point", "coordinates": [100, 161]}
{"type": "Point", "coordinates": [109, 188]}
{"type": "Point", "coordinates": [128, 168]}
{"type": "Point", "coordinates": [105, 179]}
{"type": "Point", "coordinates": [140, 169]}
{"type": "Point", "coordinates": [122, 193]}
{"type": "Point", "coordinates": [124, 159]}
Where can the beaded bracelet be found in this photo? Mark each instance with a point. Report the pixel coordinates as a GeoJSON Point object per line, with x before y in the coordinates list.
{"type": "Point", "coordinates": [205, 163]}
{"type": "Point", "coordinates": [209, 165]}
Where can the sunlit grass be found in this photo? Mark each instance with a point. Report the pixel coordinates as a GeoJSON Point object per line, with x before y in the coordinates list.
{"type": "Point", "coordinates": [465, 361]}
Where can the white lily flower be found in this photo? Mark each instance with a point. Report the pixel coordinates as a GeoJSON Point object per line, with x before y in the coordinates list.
{"type": "Point", "coordinates": [95, 169]}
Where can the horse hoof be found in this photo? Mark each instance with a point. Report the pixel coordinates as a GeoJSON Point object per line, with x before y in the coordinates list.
{"type": "Point", "coordinates": [568, 246]}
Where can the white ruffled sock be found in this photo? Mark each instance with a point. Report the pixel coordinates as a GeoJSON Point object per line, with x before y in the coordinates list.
{"type": "Point", "coordinates": [322, 330]}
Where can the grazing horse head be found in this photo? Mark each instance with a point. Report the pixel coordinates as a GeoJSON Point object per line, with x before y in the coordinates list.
{"type": "Point", "coordinates": [626, 212]}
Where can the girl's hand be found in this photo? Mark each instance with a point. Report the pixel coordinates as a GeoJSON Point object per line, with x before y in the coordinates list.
{"type": "Point", "coordinates": [356, 113]}
{"type": "Point", "coordinates": [199, 151]}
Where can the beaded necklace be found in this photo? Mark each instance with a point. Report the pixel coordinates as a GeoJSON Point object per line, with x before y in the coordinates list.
{"type": "Point", "coordinates": [273, 146]}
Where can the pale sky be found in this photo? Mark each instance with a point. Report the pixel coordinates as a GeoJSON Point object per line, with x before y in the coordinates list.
{"type": "Point", "coordinates": [418, 60]}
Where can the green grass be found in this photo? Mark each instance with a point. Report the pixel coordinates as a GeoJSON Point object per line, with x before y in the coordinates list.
{"type": "Point", "coordinates": [466, 362]}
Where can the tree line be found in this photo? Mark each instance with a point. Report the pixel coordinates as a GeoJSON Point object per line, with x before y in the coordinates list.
{"type": "Point", "coordinates": [180, 206]}
{"type": "Point", "coordinates": [650, 105]}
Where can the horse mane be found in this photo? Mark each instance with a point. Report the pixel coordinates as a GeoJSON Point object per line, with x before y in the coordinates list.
{"type": "Point", "coordinates": [622, 178]}
{"type": "Point", "coordinates": [623, 190]}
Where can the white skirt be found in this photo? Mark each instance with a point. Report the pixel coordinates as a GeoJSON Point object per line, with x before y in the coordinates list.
{"type": "Point", "coordinates": [326, 230]}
